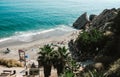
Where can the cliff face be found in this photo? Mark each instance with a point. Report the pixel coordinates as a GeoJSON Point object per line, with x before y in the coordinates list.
{"type": "Point", "coordinates": [81, 21]}
{"type": "Point", "coordinates": [100, 42]}
{"type": "Point", "coordinates": [106, 16]}
{"type": "Point", "coordinates": [108, 22]}
{"type": "Point", "coordinates": [103, 20]}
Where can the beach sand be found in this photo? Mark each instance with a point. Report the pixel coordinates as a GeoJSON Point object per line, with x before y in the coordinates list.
{"type": "Point", "coordinates": [32, 48]}
{"type": "Point", "coordinates": [21, 71]}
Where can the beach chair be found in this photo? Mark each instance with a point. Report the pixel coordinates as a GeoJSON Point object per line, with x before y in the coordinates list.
{"type": "Point", "coordinates": [7, 71]}
{"type": "Point", "coordinates": [5, 75]}
{"type": "Point", "coordinates": [26, 74]}
{"type": "Point", "coordinates": [34, 71]}
{"type": "Point", "coordinates": [13, 74]}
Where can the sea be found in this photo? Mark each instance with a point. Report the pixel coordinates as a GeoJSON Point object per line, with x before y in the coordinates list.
{"type": "Point", "coordinates": [22, 18]}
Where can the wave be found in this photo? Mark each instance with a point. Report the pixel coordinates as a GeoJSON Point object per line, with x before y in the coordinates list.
{"type": "Point", "coordinates": [29, 35]}
{"type": "Point", "coordinates": [5, 39]}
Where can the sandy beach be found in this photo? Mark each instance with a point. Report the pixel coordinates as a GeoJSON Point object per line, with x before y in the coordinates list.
{"type": "Point", "coordinates": [32, 48]}
{"type": "Point", "coordinates": [21, 71]}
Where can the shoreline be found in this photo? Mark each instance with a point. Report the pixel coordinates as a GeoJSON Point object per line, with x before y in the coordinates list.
{"type": "Point", "coordinates": [32, 48]}
{"type": "Point", "coordinates": [30, 38]}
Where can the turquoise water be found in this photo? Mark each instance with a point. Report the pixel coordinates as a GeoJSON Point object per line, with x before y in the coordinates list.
{"type": "Point", "coordinates": [21, 16]}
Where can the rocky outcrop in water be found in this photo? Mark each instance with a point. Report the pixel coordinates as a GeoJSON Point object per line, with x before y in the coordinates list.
{"type": "Point", "coordinates": [114, 70]}
{"type": "Point", "coordinates": [106, 16]}
{"type": "Point", "coordinates": [92, 16]}
{"type": "Point", "coordinates": [104, 50]}
{"type": "Point", "coordinates": [81, 21]}
{"type": "Point", "coordinates": [103, 20]}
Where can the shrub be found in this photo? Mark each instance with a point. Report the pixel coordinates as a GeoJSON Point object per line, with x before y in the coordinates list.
{"type": "Point", "coordinates": [10, 63]}
{"type": "Point", "coordinates": [67, 73]}
{"type": "Point", "coordinates": [91, 42]}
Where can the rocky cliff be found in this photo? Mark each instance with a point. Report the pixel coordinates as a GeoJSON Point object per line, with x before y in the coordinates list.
{"type": "Point", "coordinates": [100, 42]}
{"type": "Point", "coordinates": [81, 21]}
{"type": "Point", "coordinates": [102, 20]}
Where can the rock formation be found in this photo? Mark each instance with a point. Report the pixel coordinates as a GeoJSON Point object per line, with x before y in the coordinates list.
{"type": "Point", "coordinates": [106, 16]}
{"type": "Point", "coordinates": [114, 70]}
{"type": "Point", "coordinates": [81, 21]}
{"type": "Point", "coordinates": [92, 16]}
{"type": "Point", "coordinates": [102, 20]}
{"type": "Point", "coordinates": [107, 47]}
{"type": "Point", "coordinates": [105, 20]}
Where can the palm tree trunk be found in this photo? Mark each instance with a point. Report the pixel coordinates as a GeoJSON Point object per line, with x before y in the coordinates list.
{"type": "Point", "coordinates": [47, 70]}
{"type": "Point", "coordinates": [60, 68]}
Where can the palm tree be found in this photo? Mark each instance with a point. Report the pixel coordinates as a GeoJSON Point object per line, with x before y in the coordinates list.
{"type": "Point", "coordinates": [45, 59]}
{"type": "Point", "coordinates": [61, 60]}
{"type": "Point", "coordinates": [49, 56]}
{"type": "Point", "coordinates": [55, 56]}
{"type": "Point", "coordinates": [63, 52]}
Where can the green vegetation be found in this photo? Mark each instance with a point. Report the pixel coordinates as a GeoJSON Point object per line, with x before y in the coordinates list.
{"type": "Point", "coordinates": [45, 59]}
{"type": "Point", "coordinates": [50, 57]}
{"type": "Point", "coordinates": [91, 41]}
{"type": "Point", "coordinates": [94, 44]}
{"type": "Point", "coordinates": [102, 46]}
{"type": "Point", "coordinates": [67, 73]}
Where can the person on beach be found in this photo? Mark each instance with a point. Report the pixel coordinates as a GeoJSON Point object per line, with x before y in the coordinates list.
{"type": "Point", "coordinates": [7, 51]}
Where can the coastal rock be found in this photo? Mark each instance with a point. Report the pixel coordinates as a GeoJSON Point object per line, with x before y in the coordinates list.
{"type": "Point", "coordinates": [92, 16]}
{"type": "Point", "coordinates": [109, 24]}
{"type": "Point", "coordinates": [118, 10]}
{"type": "Point", "coordinates": [106, 16]}
{"type": "Point", "coordinates": [105, 60]}
{"type": "Point", "coordinates": [72, 48]}
{"type": "Point", "coordinates": [99, 66]}
{"type": "Point", "coordinates": [114, 70]}
{"type": "Point", "coordinates": [81, 21]}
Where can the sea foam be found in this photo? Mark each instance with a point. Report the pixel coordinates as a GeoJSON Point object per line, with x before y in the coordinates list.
{"type": "Point", "coordinates": [30, 35]}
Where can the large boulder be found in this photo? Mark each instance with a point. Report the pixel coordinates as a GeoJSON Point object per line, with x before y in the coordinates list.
{"type": "Point", "coordinates": [92, 16]}
{"type": "Point", "coordinates": [105, 60]}
{"type": "Point", "coordinates": [81, 21]}
{"type": "Point", "coordinates": [106, 16]}
{"type": "Point", "coordinates": [114, 70]}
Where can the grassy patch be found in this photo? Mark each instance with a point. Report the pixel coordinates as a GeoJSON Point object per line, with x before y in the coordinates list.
{"type": "Point", "coordinates": [10, 63]}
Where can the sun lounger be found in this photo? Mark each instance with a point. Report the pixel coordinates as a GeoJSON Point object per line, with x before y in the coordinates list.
{"type": "Point", "coordinates": [34, 71]}
{"type": "Point", "coordinates": [24, 75]}
{"type": "Point", "coordinates": [5, 75]}
{"type": "Point", "coordinates": [13, 76]}
{"type": "Point", "coordinates": [7, 71]}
